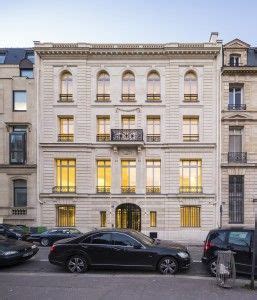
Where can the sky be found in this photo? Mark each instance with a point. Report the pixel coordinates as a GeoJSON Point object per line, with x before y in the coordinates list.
{"type": "Point", "coordinates": [126, 21]}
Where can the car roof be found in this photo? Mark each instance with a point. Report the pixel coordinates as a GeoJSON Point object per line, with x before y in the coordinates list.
{"type": "Point", "coordinates": [112, 230]}
{"type": "Point", "coordinates": [229, 228]}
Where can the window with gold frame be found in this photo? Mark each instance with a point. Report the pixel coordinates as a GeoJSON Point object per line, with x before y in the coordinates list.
{"type": "Point", "coordinates": [103, 129]}
{"type": "Point", "coordinates": [190, 216]}
{"type": "Point", "coordinates": [190, 176]}
{"type": "Point", "coordinates": [153, 218]}
{"type": "Point", "coordinates": [66, 127]}
{"type": "Point", "coordinates": [190, 128]}
{"type": "Point", "coordinates": [103, 86]}
{"type": "Point", "coordinates": [128, 122]}
{"type": "Point", "coordinates": [153, 124]}
{"type": "Point", "coordinates": [190, 87]}
{"type": "Point", "coordinates": [128, 176]}
{"type": "Point", "coordinates": [153, 176]}
{"type": "Point", "coordinates": [153, 86]}
{"type": "Point", "coordinates": [65, 215]}
{"type": "Point", "coordinates": [103, 176]}
{"type": "Point", "coordinates": [128, 86]}
{"type": "Point", "coordinates": [103, 218]}
{"type": "Point", "coordinates": [65, 176]}
{"type": "Point", "coordinates": [66, 92]}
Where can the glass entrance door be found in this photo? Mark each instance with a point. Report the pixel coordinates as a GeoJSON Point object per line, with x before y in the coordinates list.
{"type": "Point", "coordinates": [128, 216]}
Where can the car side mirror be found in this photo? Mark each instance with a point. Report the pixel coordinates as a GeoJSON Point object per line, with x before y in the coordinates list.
{"type": "Point", "coordinates": [137, 246]}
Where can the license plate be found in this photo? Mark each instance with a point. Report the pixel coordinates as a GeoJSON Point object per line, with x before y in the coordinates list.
{"type": "Point", "coordinates": [27, 254]}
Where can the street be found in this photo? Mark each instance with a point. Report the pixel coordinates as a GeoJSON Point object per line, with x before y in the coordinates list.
{"type": "Point", "coordinates": [38, 279]}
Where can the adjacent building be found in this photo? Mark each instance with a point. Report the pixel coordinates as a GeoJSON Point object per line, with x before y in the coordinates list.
{"type": "Point", "coordinates": [18, 146]}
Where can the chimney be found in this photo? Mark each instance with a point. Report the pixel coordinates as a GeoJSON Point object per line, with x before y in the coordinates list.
{"type": "Point", "coordinates": [214, 37]}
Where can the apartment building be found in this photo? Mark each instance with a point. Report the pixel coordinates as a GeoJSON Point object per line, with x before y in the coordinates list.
{"type": "Point", "coordinates": [129, 136]}
{"type": "Point", "coordinates": [18, 195]}
{"type": "Point", "coordinates": [239, 131]}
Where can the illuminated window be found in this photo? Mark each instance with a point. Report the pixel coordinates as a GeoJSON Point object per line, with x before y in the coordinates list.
{"type": "Point", "coordinates": [153, 86]}
{"type": "Point", "coordinates": [153, 176]}
{"type": "Point", "coordinates": [103, 128]}
{"type": "Point", "coordinates": [128, 122]}
{"type": "Point", "coordinates": [128, 86]}
{"type": "Point", "coordinates": [190, 216]}
{"type": "Point", "coordinates": [190, 128]}
{"type": "Point", "coordinates": [65, 216]}
{"type": "Point", "coordinates": [65, 176]}
{"type": "Point", "coordinates": [103, 176]}
{"type": "Point", "coordinates": [103, 86]}
{"type": "Point", "coordinates": [153, 128]}
{"type": "Point", "coordinates": [190, 176]}
{"type": "Point", "coordinates": [66, 126]}
{"type": "Point", "coordinates": [103, 218]}
{"type": "Point", "coordinates": [190, 87]}
{"type": "Point", "coordinates": [19, 100]}
{"type": "Point", "coordinates": [128, 176]}
{"type": "Point", "coordinates": [66, 87]}
{"type": "Point", "coordinates": [153, 219]}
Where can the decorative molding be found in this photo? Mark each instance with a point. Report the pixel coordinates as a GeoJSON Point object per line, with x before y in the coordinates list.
{"type": "Point", "coordinates": [128, 110]}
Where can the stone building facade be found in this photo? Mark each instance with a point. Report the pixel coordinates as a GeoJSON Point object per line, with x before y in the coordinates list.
{"type": "Point", "coordinates": [238, 133]}
{"type": "Point", "coordinates": [18, 180]}
{"type": "Point", "coordinates": [129, 136]}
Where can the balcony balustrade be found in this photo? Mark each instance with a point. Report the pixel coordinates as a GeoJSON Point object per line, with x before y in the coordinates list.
{"type": "Point", "coordinates": [153, 189]}
{"type": "Point", "coordinates": [153, 97]}
{"type": "Point", "coordinates": [65, 98]}
{"type": "Point", "coordinates": [19, 211]}
{"type": "Point", "coordinates": [190, 97]}
{"type": "Point", "coordinates": [103, 97]}
{"type": "Point", "coordinates": [128, 97]}
{"type": "Point", "coordinates": [65, 137]}
{"type": "Point", "coordinates": [103, 189]}
{"type": "Point", "coordinates": [237, 106]}
{"type": "Point", "coordinates": [153, 138]}
{"type": "Point", "coordinates": [190, 189]}
{"type": "Point", "coordinates": [128, 189]}
{"type": "Point", "coordinates": [64, 189]}
{"type": "Point", "coordinates": [103, 137]}
{"type": "Point", "coordinates": [190, 137]}
{"type": "Point", "coordinates": [237, 157]}
{"type": "Point", "coordinates": [127, 135]}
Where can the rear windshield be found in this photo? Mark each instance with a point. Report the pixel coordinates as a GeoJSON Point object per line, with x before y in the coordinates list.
{"type": "Point", "coordinates": [217, 237]}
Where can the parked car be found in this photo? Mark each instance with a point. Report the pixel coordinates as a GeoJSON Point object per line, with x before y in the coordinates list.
{"type": "Point", "coordinates": [13, 251]}
{"type": "Point", "coordinates": [116, 248]}
{"type": "Point", "coordinates": [238, 240]}
{"type": "Point", "coordinates": [13, 232]}
{"type": "Point", "coordinates": [48, 237]}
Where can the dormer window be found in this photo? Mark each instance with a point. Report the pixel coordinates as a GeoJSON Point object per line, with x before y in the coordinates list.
{"type": "Point", "coordinates": [2, 58]}
{"type": "Point", "coordinates": [30, 56]}
{"type": "Point", "coordinates": [234, 60]}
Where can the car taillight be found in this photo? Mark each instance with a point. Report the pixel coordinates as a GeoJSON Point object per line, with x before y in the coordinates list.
{"type": "Point", "coordinates": [207, 245]}
{"type": "Point", "coordinates": [52, 248]}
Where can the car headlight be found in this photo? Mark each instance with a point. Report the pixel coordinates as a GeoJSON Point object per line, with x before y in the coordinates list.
{"type": "Point", "coordinates": [33, 247]}
{"type": "Point", "coordinates": [183, 254]}
{"type": "Point", "coordinates": [6, 253]}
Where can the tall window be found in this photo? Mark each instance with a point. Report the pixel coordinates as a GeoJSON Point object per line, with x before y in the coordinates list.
{"type": "Point", "coordinates": [65, 176]}
{"type": "Point", "coordinates": [66, 87]}
{"type": "Point", "coordinates": [190, 128]}
{"type": "Point", "coordinates": [234, 60]}
{"type": "Point", "coordinates": [153, 86]}
{"type": "Point", "coordinates": [103, 176]}
{"type": "Point", "coordinates": [18, 145]}
{"type": "Point", "coordinates": [103, 218]}
{"type": "Point", "coordinates": [103, 87]}
{"type": "Point", "coordinates": [190, 176]}
{"type": "Point", "coordinates": [128, 122]}
{"type": "Point", "coordinates": [236, 98]}
{"type": "Point", "coordinates": [236, 199]}
{"type": "Point", "coordinates": [235, 146]}
{"type": "Point", "coordinates": [128, 176]}
{"type": "Point", "coordinates": [65, 216]}
{"type": "Point", "coordinates": [153, 128]}
{"type": "Point", "coordinates": [128, 86]}
{"type": "Point", "coordinates": [190, 216]}
{"type": "Point", "coordinates": [19, 100]}
{"type": "Point", "coordinates": [153, 176]}
{"type": "Point", "coordinates": [191, 87]}
{"type": "Point", "coordinates": [66, 127]}
{"type": "Point", "coordinates": [19, 193]}
{"type": "Point", "coordinates": [103, 128]}
{"type": "Point", "coordinates": [153, 219]}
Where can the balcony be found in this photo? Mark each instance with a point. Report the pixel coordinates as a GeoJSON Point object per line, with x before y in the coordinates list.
{"type": "Point", "coordinates": [128, 97]}
{"type": "Point", "coordinates": [65, 137]}
{"type": "Point", "coordinates": [127, 135]}
{"type": "Point", "coordinates": [153, 189]}
{"type": "Point", "coordinates": [191, 137]}
{"type": "Point", "coordinates": [190, 97]}
{"type": "Point", "coordinates": [103, 189]}
{"type": "Point", "coordinates": [128, 189]}
{"type": "Point", "coordinates": [190, 189]}
{"type": "Point", "coordinates": [153, 138]}
{"type": "Point", "coordinates": [237, 157]}
{"type": "Point", "coordinates": [103, 137]}
{"type": "Point", "coordinates": [65, 98]}
{"type": "Point", "coordinates": [153, 98]}
{"type": "Point", "coordinates": [236, 106]}
{"type": "Point", "coordinates": [64, 189]}
{"type": "Point", "coordinates": [19, 211]}
{"type": "Point", "coordinates": [103, 98]}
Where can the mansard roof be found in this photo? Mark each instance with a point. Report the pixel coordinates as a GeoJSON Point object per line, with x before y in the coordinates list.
{"type": "Point", "coordinates": [13, 56]}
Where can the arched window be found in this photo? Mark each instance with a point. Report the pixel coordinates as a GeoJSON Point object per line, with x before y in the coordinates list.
{"type": "Point", "coordinates": [128, 86]}
{"type": "Point", "coordinates": [66, 87]}
{"type": "Point", "coordinates": [191, 87]}
{"type": "Point", "coordinates": [19, 193]}
{"type": "Point", "coordinates": [103, 86]}
{"type": "Point", "coordinates": [153, 86]}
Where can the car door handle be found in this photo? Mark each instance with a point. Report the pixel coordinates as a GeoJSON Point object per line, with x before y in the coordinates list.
{"type": "Point", "coordinates": [117, 249]}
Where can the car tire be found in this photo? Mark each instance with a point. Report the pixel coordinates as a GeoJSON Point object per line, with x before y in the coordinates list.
{"type": "Point", "coordinates": [45, 242]}
{"type": "Point", "coordinates": [168, 265]}
{"type": "Point", "coordinates": [77, 264]}
{"type": "Point", "coordinates": [212, 267]}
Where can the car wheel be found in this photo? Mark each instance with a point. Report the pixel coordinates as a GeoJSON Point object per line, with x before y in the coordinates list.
{"type": "Point", "coordinates": [45, 242]}
{"type": "Point", "coordinates": [168, 265]}
{"type": "Point", "coordinates": [212, 265]}
{"type": "Point", "coordinates": [77, 264]}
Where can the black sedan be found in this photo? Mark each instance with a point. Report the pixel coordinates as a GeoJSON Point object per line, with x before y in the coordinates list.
{"type": "Point", "coordinates": [119, 249]}
{"type": "Point", "coordinates": [48, 237]}
{"type": "Point", "coordinates": [13, 251]}
{"type": "Point", "coordinates": [13, 232]}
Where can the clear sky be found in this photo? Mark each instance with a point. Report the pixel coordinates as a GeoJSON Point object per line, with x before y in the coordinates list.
{"type": "Point", "coordinates": [23, 21]}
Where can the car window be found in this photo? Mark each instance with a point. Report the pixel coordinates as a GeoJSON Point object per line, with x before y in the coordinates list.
{"type": "Point", "coordinates": [122, 240]}
{"type": "Point", "coordinates": [101, 239]}
{"type": "Point", "coordinates": [72, 231]}
{"type": "Point", "coordinates": [218, 238]}
{"type": "Point", "coordinates": [240, 238]}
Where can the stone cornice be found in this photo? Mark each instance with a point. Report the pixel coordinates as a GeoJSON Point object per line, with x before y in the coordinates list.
{"type": "Point", "coordinates": [239, 70]}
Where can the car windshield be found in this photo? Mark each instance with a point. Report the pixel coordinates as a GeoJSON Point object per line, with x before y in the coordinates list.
{"type": "Point", "coordinates": [15, 229]}
{"type": "Point", "coordinates": [144, 239]}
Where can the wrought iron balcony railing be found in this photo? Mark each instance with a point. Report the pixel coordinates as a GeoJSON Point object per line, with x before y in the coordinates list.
{"type": "Point", "coordinates": [19, 211]}
{"type": "Point", "coordinates": [236, 106]}
{"type": "Point", "coordinates": [65, 98]}
{"type": "Point", "coordinates": [153, 138]}
{"type": "Point", "coordinates": [64, 189]}
{"type": "Point", "coordinates": [190, 97]}
{"type": "Point", "coordinates": [153, 189]}
{"type": "Point", "coordinates": [235, 64]}
{"type": "Point", "coordinates": [103, 97]}
{"type": "Point", "coordinates": [153, 97]}
{"type": "Point", "coordinates": [127, 135]}
{"type": "Point", "coordinates": [65, 137]}
{"type": "Point", "coordinates": [103, 189]}
{"type": "Point", "coordinates": [190, 137]}
{"type": "Point", "coordinates": [128, 97]}
{"type": "Point", "coordinates": [237, 157]}
{"type": "Point", "coordinates": [128, 189]}
{"type": "Point", "coordinates": [103, 137]}
{"type": "Point", "coordinates": [191, 189]}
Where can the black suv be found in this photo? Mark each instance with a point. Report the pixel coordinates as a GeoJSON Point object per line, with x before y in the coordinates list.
{"type": "Point", "coordinates": [238, 240]}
